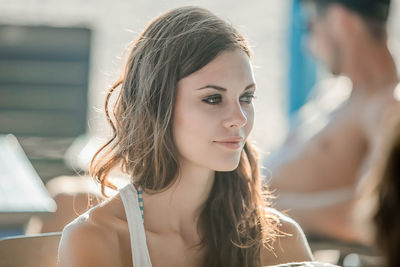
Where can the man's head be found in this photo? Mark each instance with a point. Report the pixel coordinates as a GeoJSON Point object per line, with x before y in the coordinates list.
{"type": "Point", "coordinates": [337, 26]}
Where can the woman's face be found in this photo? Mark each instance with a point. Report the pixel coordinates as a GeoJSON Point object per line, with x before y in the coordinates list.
{"type": "Point", "coordinates": [214, 113]}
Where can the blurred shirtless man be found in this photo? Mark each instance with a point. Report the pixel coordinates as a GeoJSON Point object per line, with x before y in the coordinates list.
{"type": "Point", "coordinates": [316, 178]}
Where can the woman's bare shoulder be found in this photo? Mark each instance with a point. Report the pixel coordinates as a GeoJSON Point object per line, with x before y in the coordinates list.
{"type": "Point", "coordinates": [291, 246]}
{"type": "Point", "coordinates": [91, 239]}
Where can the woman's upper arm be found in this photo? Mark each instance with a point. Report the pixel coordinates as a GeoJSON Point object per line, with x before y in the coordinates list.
{"type": "Point", "coordinates": [292, 247]}
{"type": "Point", "coordinates": [85, 245]}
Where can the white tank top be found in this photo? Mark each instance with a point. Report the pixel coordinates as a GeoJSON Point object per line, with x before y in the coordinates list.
{"type": "Point", "coordinates": [140, 252]}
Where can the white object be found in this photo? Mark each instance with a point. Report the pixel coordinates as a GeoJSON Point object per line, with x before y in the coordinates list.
{"type": "Point", "coordinates": [140, 252]}
{"type": "Point", "coordinates": [22, 192]}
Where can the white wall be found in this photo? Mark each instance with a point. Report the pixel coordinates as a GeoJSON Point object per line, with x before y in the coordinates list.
{"type": "Point", "coordinates": [116, 23]}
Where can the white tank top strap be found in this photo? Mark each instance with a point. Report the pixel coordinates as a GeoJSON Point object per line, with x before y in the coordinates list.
{"type": "Point", "coordinates": [133, 209]}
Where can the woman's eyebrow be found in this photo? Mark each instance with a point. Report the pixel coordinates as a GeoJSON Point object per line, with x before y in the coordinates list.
{"type": "Point", "coordinates": [216, 87]}
{"type": "Point", "coordinates": [219, 88]}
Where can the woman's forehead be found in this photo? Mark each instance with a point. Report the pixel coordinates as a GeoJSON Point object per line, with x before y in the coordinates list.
{"type": "Point", "coordinates": [228, 66]}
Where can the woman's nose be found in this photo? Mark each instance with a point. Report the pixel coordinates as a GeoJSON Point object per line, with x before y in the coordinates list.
{"type": "Point", "coordinates": [236, 117]}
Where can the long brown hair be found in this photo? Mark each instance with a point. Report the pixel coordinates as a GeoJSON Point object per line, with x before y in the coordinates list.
{"type": "Point", "coordinates": [387, 216]}
{"type": "Point", "coordinates": [174, 45]}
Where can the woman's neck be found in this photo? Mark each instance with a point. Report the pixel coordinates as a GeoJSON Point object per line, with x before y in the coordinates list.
{"type": "Point", "coordinates": [177, 209]}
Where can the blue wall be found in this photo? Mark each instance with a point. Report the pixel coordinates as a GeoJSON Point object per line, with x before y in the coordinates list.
{"type": "Point", "coordinates": [302, 68]}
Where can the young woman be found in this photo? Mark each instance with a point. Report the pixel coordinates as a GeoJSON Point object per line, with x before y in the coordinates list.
{"type": "Point", "coordinates": [181, 121]}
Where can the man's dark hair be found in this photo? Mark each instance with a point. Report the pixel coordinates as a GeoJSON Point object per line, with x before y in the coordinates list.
{"type": "Point", "coordinates": [374, 12]}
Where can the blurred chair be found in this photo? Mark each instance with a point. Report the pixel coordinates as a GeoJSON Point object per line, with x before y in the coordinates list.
{"type": "Point", "coordinates": [358, 260]}
{"type": "Point", "coordinates": [43, 91]}
{"type": "Point", "coordinates": [342, 253]}
{"type": "Point", "coordinates": [33, 251]}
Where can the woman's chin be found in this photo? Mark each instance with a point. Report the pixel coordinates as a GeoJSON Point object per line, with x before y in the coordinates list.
{"type": "Point", "coordinates": [227, 167]}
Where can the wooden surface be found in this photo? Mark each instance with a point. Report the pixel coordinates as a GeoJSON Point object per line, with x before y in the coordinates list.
{"type": "Point", "coordinates": [33, 251]}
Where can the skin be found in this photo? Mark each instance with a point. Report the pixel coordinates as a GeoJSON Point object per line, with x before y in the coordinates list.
{"type": "Point", "coordinates": [332, 160]}
{"type": "Point", "coordinates": [204, 121]}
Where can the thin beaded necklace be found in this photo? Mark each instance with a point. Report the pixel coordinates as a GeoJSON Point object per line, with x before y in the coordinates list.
{"type": "Point", "coordinates": [140, 196]}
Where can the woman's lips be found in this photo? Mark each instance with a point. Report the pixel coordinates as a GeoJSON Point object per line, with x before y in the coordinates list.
{"type": "Point", "coordinates": [232, 143]}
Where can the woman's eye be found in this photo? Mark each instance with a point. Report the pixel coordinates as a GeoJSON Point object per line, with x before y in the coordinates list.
{"type": "Point", "coordinates": [247, 98]}
{"type": "Point", "coordinates": [212, 99]}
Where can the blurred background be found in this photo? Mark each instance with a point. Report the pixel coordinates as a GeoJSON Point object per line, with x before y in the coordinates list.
{"type": "Point", "coordinates": [63, 56]}
{"type": "Point", "coordinates": [58, 58]}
